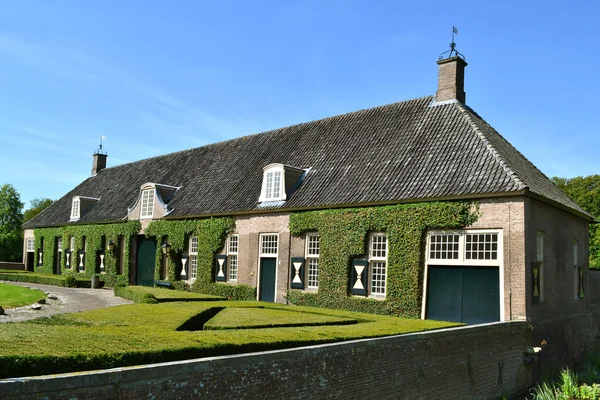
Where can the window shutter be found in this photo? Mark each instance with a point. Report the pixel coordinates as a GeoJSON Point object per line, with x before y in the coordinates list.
{"type": "Point", "coordinates": [221, 268]}
{"type": "Point", "coordinates": [68, 258]}
{"type": "Point", "coordinates": [535, 281]}
{"type": "Point", "coordinates": [40, 257]}
{"type": "Point", "coordinates": [100, 260]}
{"type": "Point", "coordinates": [297, 273]}
{"type": "Point", "coordinates": [81, 260]}
{"type": "Point", "coordinates": [184, 267]}
{"type": "Point", "coordinates": [358, 277]}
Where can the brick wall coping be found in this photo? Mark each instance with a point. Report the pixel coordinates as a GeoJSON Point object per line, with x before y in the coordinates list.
{"type": "Point", "coordinates": [74, 380]}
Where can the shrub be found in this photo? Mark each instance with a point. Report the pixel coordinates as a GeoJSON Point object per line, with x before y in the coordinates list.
{"type": "Point", "coordinates": [138, 297]}
{"type": "Point", "coordinates": [45, 279]}
{"type": "Point", "coordinates": [70, 281]}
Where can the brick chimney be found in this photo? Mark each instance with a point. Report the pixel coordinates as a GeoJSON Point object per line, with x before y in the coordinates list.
{"type": "Point", "coordinates": [451, 80]}
{"type": "Point", "coordinates": [99, 163]}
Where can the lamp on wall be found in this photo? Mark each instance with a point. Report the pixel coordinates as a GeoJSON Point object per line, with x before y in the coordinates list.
{"type": "Point", "coordinates": [110, 246]}
{"type": "Point", "coordinates": [166, 247]}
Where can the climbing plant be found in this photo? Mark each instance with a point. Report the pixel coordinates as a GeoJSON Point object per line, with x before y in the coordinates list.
{"type": "Point", "coordinates": [211, 234]}
{"type": "Point", "coordinates": [96, 237]}
{"type": "Point", "coordinates": [343, 235]}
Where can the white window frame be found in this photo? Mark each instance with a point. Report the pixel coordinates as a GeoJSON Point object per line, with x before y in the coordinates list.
{"type": "Point", "coordinates": [59, 246]}
{"type": "Point", "coordinates": [376, 259]}
{"type": "Point", "coordinates": [267, 255]}
{"type": "Point", "coordinates": [261, 245]}
{"type": "Point", "coordinates": [72, 243]}
{"type": "Point", "coordinates": [30, 245]}
{"type": "Point", "coordinates": [193, 258]}
{"type": "Point", "coordinates": [462, 261]}
{"type": "Point", "coordinates": [75, 209]}
{"type": "Point", "coordinates": [312, 258]}
{"type": "Point", "coordinates": [269, 186]}
{"type": "Point", "coordinates": [147, 203]}
{"type": "Point", "coordinates": [232, 254]}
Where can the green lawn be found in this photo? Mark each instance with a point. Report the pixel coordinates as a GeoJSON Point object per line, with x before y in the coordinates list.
{"type": "Point", "coordinates": [145, 333]}
{"type": "Point", "coordinates": [15, 296]}
{"type": "Point", "coordinates": [163, 295]}
{"type": "Point", "coordinates": [246, 318]}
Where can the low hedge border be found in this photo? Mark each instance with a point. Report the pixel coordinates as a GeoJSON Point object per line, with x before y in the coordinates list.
{"type": "Point", "coordinates": [44, 279]}
{"type": "Point", "coordinates": [137, 297]}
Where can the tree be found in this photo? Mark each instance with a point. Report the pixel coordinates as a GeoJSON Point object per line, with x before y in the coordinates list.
{"type": "Point", "coordinates": [11, 218]}
{"type": "Point", "coordinates": [37, 206]}
{"type": "Point", "coordinates": [585, 191]}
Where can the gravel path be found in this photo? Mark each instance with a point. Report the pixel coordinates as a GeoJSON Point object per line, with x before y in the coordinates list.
{"type": "Point", "coordinates": [68, 300]}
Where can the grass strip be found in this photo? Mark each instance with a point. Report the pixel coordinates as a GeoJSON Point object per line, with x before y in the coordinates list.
{"type": "Point", "coordinates": [161, 295]}
{"type": "Point", "coordinates": [255, 318]}
{"type": "Point", "coordinates": [15, 296]}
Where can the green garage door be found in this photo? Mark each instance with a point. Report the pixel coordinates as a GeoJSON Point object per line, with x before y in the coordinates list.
{"type": "Point", "coordinates": [463, 294]}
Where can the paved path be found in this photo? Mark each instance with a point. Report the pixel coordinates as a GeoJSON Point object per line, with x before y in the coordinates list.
{"type": "Point", "coordinates": [69, 300]}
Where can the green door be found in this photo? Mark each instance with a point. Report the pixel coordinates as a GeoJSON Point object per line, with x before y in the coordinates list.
{"type": "Point", "coordinates": [267, 279]}
{"type": "Point", "coordinates": [146, 253]}
{"type": "Point", "coordinates": [463, 294]}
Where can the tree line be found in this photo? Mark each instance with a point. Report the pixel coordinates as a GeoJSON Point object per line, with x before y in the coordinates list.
{"type": "Point", "coordinates": [11, 219]}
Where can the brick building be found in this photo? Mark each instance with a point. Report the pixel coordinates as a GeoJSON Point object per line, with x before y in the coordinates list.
{"type": "Point", "coordinates": [524, 257]}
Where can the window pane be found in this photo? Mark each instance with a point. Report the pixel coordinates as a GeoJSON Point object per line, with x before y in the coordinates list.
{"type": "Point", "coordinates": [378, 269]}
{"type": "Point", "coordinates": [313, 245]}
{"type": "Point", "coordinates": [448, 250]}
{"type": "Point", "coordinates": [313, 272]}
{"type": "Point", "coordinates": [268, 244]}
{"type": "Point", "coordinates": [194, 245]}
{"type": "Point", "coordinates": [233, 244]}
{"type": "Point", "coordinates": [193, 266]}
{"type": "Point", "coordinates": [147, 203]}
{"type": "Point", "coordinates": [233, 267]}
{"type": "Point", "coordinates": [379, 246]}
{"type": "Point", "coordinates": [481, 246]}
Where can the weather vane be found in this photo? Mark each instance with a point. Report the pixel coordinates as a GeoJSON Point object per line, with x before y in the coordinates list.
{"type": "Point", "coordinates": [452, 52]}
{"type": "Point", "coordinates": [100, 150]}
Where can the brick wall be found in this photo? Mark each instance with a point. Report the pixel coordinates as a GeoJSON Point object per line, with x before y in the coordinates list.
{"type": "Point", "coordinates": [12, 265]}
{"type": "Point", "coordinates": [477, 362]}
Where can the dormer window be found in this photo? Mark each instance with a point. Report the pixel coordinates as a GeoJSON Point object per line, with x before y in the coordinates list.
{"type": "Point", "coordinates": [273, 186]}
{"type": "Point", "coordinates": [75, 209]}
{"type": "Point", "coordinates": [279, 182]}
{"type": "Point", "coordinates": [152, 201]}
{"type": "Point", "coordinates": [80, 206]}
{"type": "Point", "coordinates": [147, 210]}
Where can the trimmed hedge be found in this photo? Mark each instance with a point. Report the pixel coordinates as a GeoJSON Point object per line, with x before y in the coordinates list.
{"type": "Point", "coordinates": [44, 279]}
{"type": "Point", "coordinates": [138, 297]}
{"type": "Point", "coordinates": [143, 333]}
{"type": "Point", "coordinates": [164, 295]}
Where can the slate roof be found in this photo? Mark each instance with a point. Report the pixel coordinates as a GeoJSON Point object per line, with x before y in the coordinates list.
{"type": "Point", "coordinates": [408, 151]}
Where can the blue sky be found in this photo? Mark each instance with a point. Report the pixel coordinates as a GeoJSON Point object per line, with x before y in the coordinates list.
{"type": "Point", "coordinates": [157, 76]}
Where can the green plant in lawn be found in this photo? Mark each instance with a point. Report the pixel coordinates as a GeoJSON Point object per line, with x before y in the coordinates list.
{"type": "Point", "coordinates": [15, 296]}
{"type": "Point", "coordinates": [343, 234]}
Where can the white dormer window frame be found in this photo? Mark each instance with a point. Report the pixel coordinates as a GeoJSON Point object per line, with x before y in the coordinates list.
{"type": "Point", "coordinates": [76, 211]}
{"type": "Point", "coordinates": [147, 203]}
{"type": "Point", "coordinates": [273, 186]}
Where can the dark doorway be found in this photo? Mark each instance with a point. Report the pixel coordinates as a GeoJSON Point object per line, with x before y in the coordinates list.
{"type": "Point", "coordinates": [146, 254]}
{"type": "Point", "coordinates": [30, 260]}
{"type": "Point", "coordinates": [57, 255]}
{"type": "Point", "coordinates": [463, 294]}
{"type": "Point", "coordinates": [267, 279]}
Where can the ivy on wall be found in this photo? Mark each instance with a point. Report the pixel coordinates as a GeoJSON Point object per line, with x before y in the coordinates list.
{"type": "Point", "coordinates": [343, 236]}
{"type": "Point", "coordinates": [211, 234]}
{"type": "Point", "coordinates": [96, 237]}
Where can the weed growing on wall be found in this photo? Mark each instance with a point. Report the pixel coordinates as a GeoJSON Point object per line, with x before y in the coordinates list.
{"type": "Point", "coordinates": [344, 235]}
{"type": "Point", "coordinates": [96, 237]}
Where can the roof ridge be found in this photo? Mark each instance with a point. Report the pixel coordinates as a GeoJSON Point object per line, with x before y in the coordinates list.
{"type": "Point", "coordinates": [493, 151]}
